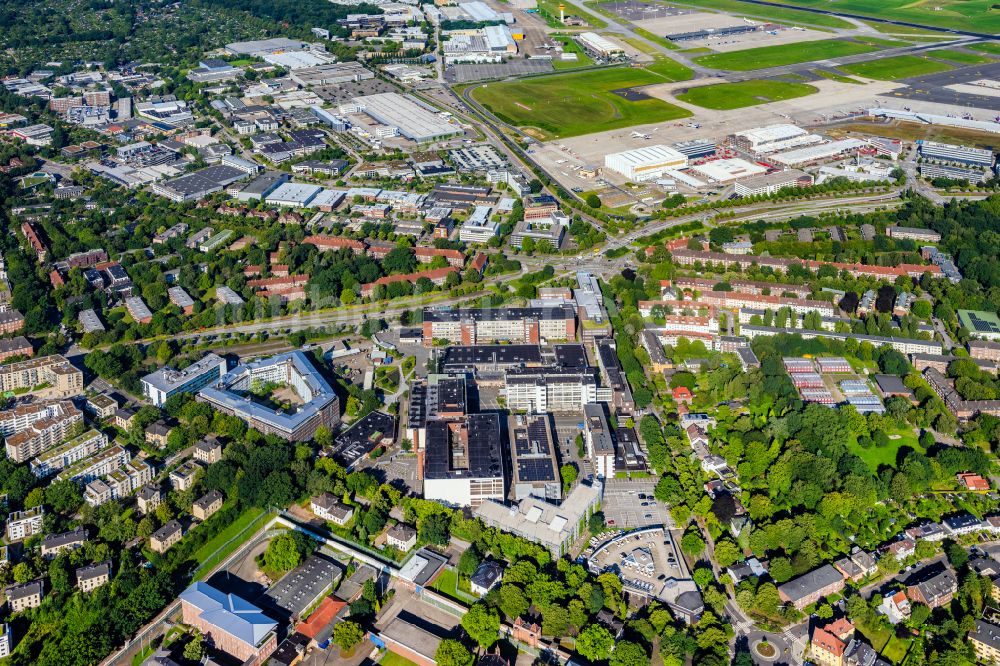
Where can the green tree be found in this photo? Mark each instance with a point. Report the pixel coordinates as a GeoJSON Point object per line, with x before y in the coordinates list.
{"type": "Point", "coordinates": [692, 544]}
{"type": "Point", "coordinates": [482, 623]}
{"type": "Point", "coordinates": [468, 562]}
{"type": "Point", "coordinates": [285, 551]}
{"type": "Point", "coordinates": [347, 634]}
{"type": "Point", "coordinates": [22, 573]}
{"type": "Point", "coordinates": [195, 649]}
{"type": "Point", "coordinates": [513, 603]}
{"type": "Point", "coordinates": [35, 498]}
{"type": "Point", "coordinates": [64, 497]}
{"type": "Point", "coordinates": [595, 643]}
{"type": "Point", "coordinates": [593, 200]}
{"type": "Point", "coordinates": [569, 474]}
{"type": "Point", "coordinates": [628, 653]}
{"type": "Point", "coordinates": [452, 653]}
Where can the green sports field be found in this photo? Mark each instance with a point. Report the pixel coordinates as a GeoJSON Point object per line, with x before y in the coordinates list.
{"type": "Point", "coordinates": [563, 105]}
{"type": "Point", "coordinates": [976, 15]}
{"type": "Point", "coordinates": [724, 96]}
{"type": "Point", "coordinates": [783, 54]}
{"type": "Point", "coordinates": [898, 67]}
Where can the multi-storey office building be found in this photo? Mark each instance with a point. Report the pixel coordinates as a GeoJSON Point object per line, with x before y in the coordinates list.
{"type": "Point", "coordinates": [469, 326]}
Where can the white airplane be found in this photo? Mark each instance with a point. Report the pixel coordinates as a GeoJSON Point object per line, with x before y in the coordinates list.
{"type": "Point", "coordinates": [639, 135]}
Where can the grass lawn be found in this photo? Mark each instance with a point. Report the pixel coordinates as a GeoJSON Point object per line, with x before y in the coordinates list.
{"type": "Point", "coordinates": [961, 57]}
{"type": "Point", "coordinates": [834, 76]}
{"type": "Point", "coordinates": [895, 650]}
{"type": "Point", "coordinates": [447, 584]}
{"type": "Point", "coordinates": [783, 54]}
{"type": "Point", "coordinates": [549, 10]}
{"type": "Point", "coordinates": [744, 93]}
{"type": "Point", "coordinates": [875, 457]}
{"type": "Point", "coordinates": [898, 67]}
{"type": "Point", "coordinates": [570, 46]}
{"type": "Point", "coordinates": [669, 69]}
{"type": "Point", "coordinates": [393, 659]}
{"type": "Point", "coordinates": [220, 539]}
{"type": "Point", "coordinates": [986, 47]}
{"type": "Point", "coordinates": [653, 37]}
{"type": "Point", "coordinates": [977, 15]}
{"type": "Point", "coordinates": [566, 105]}
{"type": "Point", "coordinates": [789, 15]}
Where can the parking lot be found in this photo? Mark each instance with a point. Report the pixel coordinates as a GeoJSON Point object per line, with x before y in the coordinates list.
{"type": "Point", "coordinates": [402, 467]}
{"type": "Point", "coordinates": [483, 71]}
{"type": "Point", "coordinates": [567, 428]}
{"type": "Point", "coordinates": [623, 504]}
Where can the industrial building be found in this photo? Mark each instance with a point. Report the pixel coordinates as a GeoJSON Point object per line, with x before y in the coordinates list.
{"type": "Point", "coordinates": [330, 74]}
{"type": "Point", "coordinates": [160, 385]}
{"type": "Point", "coordinates": [773, 138]}
{"type": "Point", "coordinates": [462, 463]}
{"type": "Point", "coordinates": [414, 120]}
{"type": "Point", "coordinates": [823, 151]}
{"type": "Point", "coordinates": [198, 184]}
{"type": "Point", "coordinates": [728, 170]}
{"type": "Point", "coordinates": [321, 407]}
{"type": "Point", "coordinates": [648, 163]}
{"type": "Point", "coordinates": [600, 46]}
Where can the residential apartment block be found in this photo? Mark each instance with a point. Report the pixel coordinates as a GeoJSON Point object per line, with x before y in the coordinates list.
{"type": "Point", "coordinates": [31, 429]}
{"type": "Point", "coordinates": [69, 453]}
{"type": "Point", "coordinates": [23, 524]}
{"type": "Point", "coordinates": [165, 537]}
{"type": "Point", "coordinates": [57, 374]}
{"type": "Point", "coordinates": [93, 576]}
{"type": "Point", "coordinates": [469, 326]}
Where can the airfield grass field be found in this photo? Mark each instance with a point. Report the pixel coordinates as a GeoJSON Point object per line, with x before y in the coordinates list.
{"type": "Point", "coordinates": [961, 57]}
{"type": "Point", "coordinates": [570, 46]}
{"type": "Point", "coordinates": [986, 47]}
{"type": "Point", "coordinates": [790, 15]}
{"type": "Point", "coordinates": [975, 15]}
{"type": "Point", "coordinates": [833, 76]}
{"type": "Point", "coordinates": [784, 54]}
{"type": "Point", "coordinates": [725, 96]}
{"type": "Point", "coordinates": [565, 105]}
{"type": "Point", "coordinates": [898, 67]}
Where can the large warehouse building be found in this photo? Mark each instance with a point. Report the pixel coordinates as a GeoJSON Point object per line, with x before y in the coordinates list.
{"type": "Point", "coordinates": [647, 163]}
{"type": "Point", "coordinates": [772, 138]}
{"type": "Point", "coordinates": [462, 465]}
{"type": "Point", "coordinates": [600, 46]}
{"type": "Point", "coordinates": [414, 121]}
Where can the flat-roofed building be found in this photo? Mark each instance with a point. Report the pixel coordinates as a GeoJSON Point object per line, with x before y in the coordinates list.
{"type": "Point", "coordinates": [320, 407]}
{"type": "Point", "coordinates": [462, 463]}
{"type": "Point", "coordinates": [160, 385]}
{"type": "Point", "coordinates": [646, 163]}
{"type": "Point", "coordinates": [183, 477]}
{"type": "Point", "coordinates": [414, 120]}
{"type": "Point", "coordinates": [600, 445]}
{"type": "Point", "coordinates": [535, 468]}
{"type": "Point", "coordinates": [100, 464]}
{"type": "Point", "coordinates": [31, 429]}
{"type": "Point", "coordinates": [471, 326]}
{"type": "Point", "coordinates": [55, 373]}
{"type": "Point", "coordinates": [553, 527]}
{"type": "Point", "coordinates": [600, 46]}
{"type": "Point", "coordinates": [6, 639]}
{"type": "Point", "coordinates": [101, 406]}
{"type": "Point", "coordinates": [69, 453]}
{"type": "Point", "coordinates": [552, 389]}
{"type": "Point", "coordinates": [23, 524]}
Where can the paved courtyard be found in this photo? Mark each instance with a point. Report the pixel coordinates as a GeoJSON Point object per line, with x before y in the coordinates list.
{"type": "Point", "coordinates": [624, 506]}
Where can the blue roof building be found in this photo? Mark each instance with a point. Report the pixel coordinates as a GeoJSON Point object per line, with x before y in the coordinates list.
{"type": "Point", "coordinates": [234, 625]}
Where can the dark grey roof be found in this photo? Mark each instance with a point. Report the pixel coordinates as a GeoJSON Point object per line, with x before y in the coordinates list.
{"type": "Point", "coordinates": [986, 633]}
{"type": "Point", "coordinates": [363, 436]}
{"type": "Point", "coordinates": [487, 574]}
{"type": "Point", "coordinates": [94, 571]}
{"type": "Point", "coordinates": [564, 311]}
{"type": "Point", "coordinates": [482, 455]}
{"type": "Point", "coordinates": [812, 582]}
{"type": "Point", "coordinates": [64, 538]}
{"type": "Point", "coordinates": [473, 356]}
